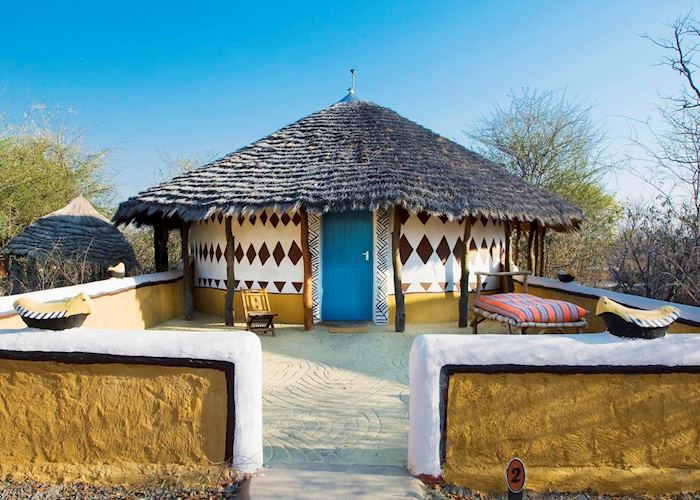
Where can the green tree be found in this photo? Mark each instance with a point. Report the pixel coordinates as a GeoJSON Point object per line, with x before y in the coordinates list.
{"type": "Point", "coordinates": [43, 169]}
{"type": "Point", "coordinates": [553, 142]}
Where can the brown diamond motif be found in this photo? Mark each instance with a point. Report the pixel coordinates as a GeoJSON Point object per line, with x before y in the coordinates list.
{"type": "Point", "coordinates": [220, 217]}
{"type": "Point", "coordinates": [240, 220]}
{"type": "Point", "coordinates": [263, 253]}
{"type": "Point", "coordinates": [425, 286]}
{"type": "Point", "coordinates": [211, 253]}
{"type": "Point", "coordinates": [209, 281]}
{"type": "Point", "coordinates": [263, 284]}
{"type": "Point", "coordinates": [296, 219]}
{"type": "Point", "coordinates": [297, 285]}
{"type": "Point", "coordinates": [484, 245]}
{"type": "Point", "coordinates": [250, 253]}
{"type": "Point", "coordinates": [263, 217]}
{"type": "Point", "coordinates": [238, 253]}
{"type": "Point", "coordinates": [201, 252]}
{"type": "Point", "coordinates": [218, 253]}
{"type": "Point", "coordinates": [252, 219]}
{"type": "Point", "coordinates": [403, 215]}
{"type": "Point", "coordinates": [443, 219]}
{"type": "Point", "coordinates": [442, 285]}
{"type": "Point", "coordinates": [294, 253]}
{"type": "Point", "coordinates": [278, 252]}
{"type": "Point", "coordinates": [405, 286]}
{"type": "Point", "coordinates": [443, 250]}
{"type": "Point", "coordinates": [424, 217]}
{"type": "Point", "coordinates": [424, 250]}
{"type": "Point", "coordinates": [472, 245]}
{"type": "Point", "coordinates": [279, 285]}
{"type": "Point", "coordinates": [458, 250]}
{"type": "Point", "coordinates": [405, 249]}
{"type": "Point", "coordinates": [484, 220]}
{"type": "Point", "coordinates": [285, 218]}
{"type": "Point", "coordinates": [274, 220]}
{"type": "Point", "coordinates": [492, 249]}
{"type": "Point", "coordinates": [216, 282]}
{"type": "Point", "coordinates": [236, 283]}
{"type": "Point", "coordinates": [249, 284]}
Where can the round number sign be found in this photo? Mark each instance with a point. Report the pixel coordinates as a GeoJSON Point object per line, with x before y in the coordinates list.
{"type": "Point", "coordinates": [515, 475]}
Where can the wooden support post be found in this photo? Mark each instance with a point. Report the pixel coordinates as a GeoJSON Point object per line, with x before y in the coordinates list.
{"type": "Point", "coordinates": [308, 282]}
{"type": "Point", "coordinates": [230, 275]}
{"type": "Point", "coordinates": [530, 247]}
{"type": "Point", "coordinates": [400, 317]}
{"type": "Point", "coordinates": [516, 243]}
{"type": "Point", "coordinates": [187, 278]}
{"type": "Point", "coordinates": [505, 284]}
{"type": "Point", "coordinates": [160, 245]}
{"type": "Point", "coordinates": [540, 258]}
{"type": "Point", "coordinates": [464, 279]}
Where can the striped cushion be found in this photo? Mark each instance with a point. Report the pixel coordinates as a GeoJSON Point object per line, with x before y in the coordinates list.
{"type": "Point", "coordinates": [526, 308]}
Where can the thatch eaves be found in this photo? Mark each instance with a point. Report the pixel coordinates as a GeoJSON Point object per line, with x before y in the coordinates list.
{"type": "Point", "coordinates": [76, 232]}
{"type": "Point", "coordinates": [351, 155]}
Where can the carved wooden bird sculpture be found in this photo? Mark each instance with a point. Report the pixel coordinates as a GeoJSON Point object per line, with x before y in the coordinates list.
{"type": "Point", "coordinates": [54, 315]}
{"type": "Point", "coordinates": [636, 323]}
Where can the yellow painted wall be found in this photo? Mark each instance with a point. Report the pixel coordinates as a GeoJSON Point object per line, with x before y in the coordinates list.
{"type": "Point", "coordinates": [133, 309]}
{"type": "Point", "coordinates": [111, 423]}
{"type": "Point", "coordinates": [430, 307]}
{"type": "Point", "coordinates": [289, 307]}
{"type": "Point", "coordinates": [617, 434]}
{"type": "Point", "coordinates": [595, 323]}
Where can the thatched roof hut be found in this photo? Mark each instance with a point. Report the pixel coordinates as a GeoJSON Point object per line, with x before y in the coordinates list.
{"type": "Point", "coordinates": [76, 232]}
{"type": "Point", "coordinates": [351, 155]}
{"type": "Point", "coordinates": [339, 201]}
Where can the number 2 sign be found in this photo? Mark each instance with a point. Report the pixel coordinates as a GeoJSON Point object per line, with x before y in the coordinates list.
{"type": "Point", "coordinates": [515, 475]}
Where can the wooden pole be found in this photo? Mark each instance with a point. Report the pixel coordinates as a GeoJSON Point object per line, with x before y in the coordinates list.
{"type": "Point", "coordinates": [160, 245]}
{"type": "Point", "coordinates": [400, 317]}
{"type": "Point", "coordinates": [505, 284]}
{"type": "Point", "coordinates": [530, 247]}
{"type": "Point", "coordinates": [308, 282]}
{"type": "Point", "coordinates": [230, 275]}
{"type": "Point", "coordinates": [464, 279]}
{"type": "Point", "coordinates": [536, 250]}
{"type": "Point", "coordinates": [540, 259]}
{"type": "Point", "coordinates": [516, 244]}
{"type": "Point", "coordinates": [188, 281]}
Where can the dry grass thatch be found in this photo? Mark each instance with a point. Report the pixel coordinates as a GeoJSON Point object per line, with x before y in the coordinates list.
{"type": "Point", "coordinates": [75, 232]}
{"type": "Point", "coordinates": [351, 155]}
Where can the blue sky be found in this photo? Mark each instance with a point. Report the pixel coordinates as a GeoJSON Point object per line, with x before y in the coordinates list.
{"type": "Point", "coordinates": [155, 79]}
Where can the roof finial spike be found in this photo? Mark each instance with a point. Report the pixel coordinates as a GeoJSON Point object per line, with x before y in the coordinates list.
{"type": "Point", "coordinates": [352, 82]}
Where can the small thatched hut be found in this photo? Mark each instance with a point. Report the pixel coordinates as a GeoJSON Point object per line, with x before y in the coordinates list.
{"type": "Point", "coordinates": [76, 234]}
{"type": "Point", "coordinates": [352, 213]}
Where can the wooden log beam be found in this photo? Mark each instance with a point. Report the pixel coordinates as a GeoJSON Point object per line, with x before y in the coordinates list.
{"type": "Point", "coordinates": [230, 274]}
{"type": "Point", "coordinates": [308, 281]}
{"type": "Point", "coordinates": [532, 230]}
{"type": "Point", "coordinates": [536, 250]}
{"type": "Point", "coordinates": [540, 258]}
{"type": "Point", "coordinates": [464, 278]}
{"type": "Point", "coordinates": [187, 278]}
{"type": "Point", "coordinates": [400, 316]}
{"type": "Point", "coordinates": [505, 284]}
{"type": "Point", "coordinates": [516, 244]}
{"type": "Point", "coordinates": [160, 245]}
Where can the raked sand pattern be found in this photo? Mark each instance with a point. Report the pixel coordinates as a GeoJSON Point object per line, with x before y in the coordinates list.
{"type": "Point", "coordinates": [335, 398]}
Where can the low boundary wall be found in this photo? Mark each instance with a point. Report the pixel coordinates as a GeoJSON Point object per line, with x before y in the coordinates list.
{"type": "Point", "coordinates": [129, 407]}
{"type": "Point", "coordinates": [125, 303]}
{"type": "Point", "coordinates": [582, 411]}
{"type": "Point", "coordinates": [587, 297]}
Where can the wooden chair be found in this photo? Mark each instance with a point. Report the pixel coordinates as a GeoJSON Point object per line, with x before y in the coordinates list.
{"type": "Point", "coordinates": [256, 307]}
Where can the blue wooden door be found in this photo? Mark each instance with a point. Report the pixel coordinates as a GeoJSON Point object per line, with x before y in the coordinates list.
{"type": "Point", "coordinates": [346, 259]}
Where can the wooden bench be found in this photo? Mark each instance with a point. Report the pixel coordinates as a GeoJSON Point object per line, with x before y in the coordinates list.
{"type": "Point", "coordinates": [481, 314]}
{"type": "Point", "coordinates": [256, 307]}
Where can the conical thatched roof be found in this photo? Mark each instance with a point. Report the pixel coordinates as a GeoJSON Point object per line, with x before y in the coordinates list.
{"type": "Point", "coordinates": [75, 232]}
{"type": "Point", "coordinates": [351, 155]}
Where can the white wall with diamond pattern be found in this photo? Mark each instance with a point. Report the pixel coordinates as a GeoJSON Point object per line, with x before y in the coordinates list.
{"type": "Point", "coordinates": [267, 252]}
{"type": "Point", "coordinates": [431, 248]}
